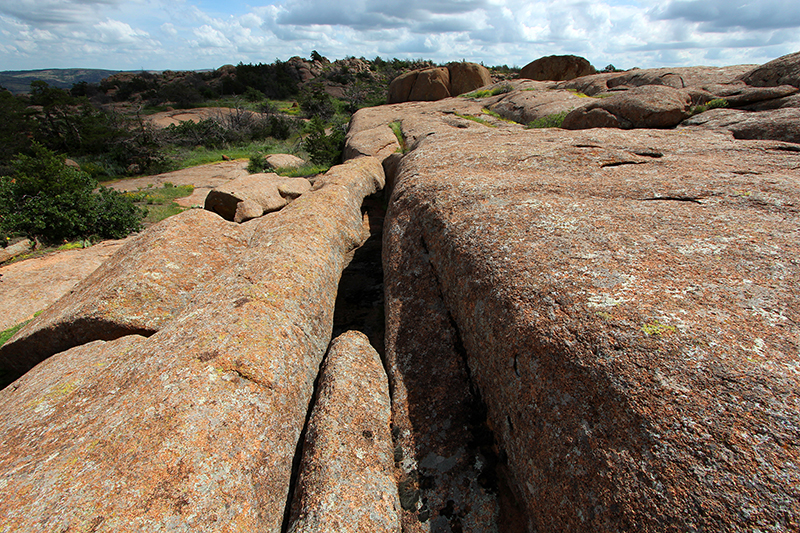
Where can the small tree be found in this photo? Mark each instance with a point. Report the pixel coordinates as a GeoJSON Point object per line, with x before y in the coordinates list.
{"type": "Point", "coordinates": [324, 149]}
{"type": "Point", "coordinates": [51, 201]}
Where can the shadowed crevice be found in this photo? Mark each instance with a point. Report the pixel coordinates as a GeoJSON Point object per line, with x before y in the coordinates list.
{"type": "Point", "coordinates": [18, 357]}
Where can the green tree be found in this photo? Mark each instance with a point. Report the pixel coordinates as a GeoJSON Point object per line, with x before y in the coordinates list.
{"type": "Point", "coordinates": [53, 202]}
{"type": "Point", "coordinates": [322, 148]}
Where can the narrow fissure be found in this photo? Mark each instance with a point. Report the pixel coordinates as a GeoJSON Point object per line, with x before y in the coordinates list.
{"type": "Point", "coordinates": [494, 475]}
{"type": "Point", "coordinates": [298, 450]}
{"type": "Point", "coordinates": [359, 299]}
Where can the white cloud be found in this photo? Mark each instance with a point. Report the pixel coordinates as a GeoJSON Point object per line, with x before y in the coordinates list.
{"type": "Point", "coordinates": [644, 33]}
{"type": "Point", "coordinates": [116, 32]}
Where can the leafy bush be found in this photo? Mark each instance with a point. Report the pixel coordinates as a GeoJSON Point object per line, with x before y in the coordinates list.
{"type": "Point", "coordinates": [322, 148]}
{"type": "Point", "coordinates": [45, 199]}
{"type": "Point", "coordinates": [257, 164]}
{"type": "Point", "coordinates": [315, 102]}
{"type": "Point", "coordinates": [550, 121]}
{"type": "Point", "coordinates": [278, 80]}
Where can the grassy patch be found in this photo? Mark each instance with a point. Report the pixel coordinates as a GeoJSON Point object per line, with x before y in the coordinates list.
{"type": "Point", "coordinates": [500, 89]}
{"type": "Point", "coordinates": [305, 171]}
{"type": "Point", "coordinates": [160, 203]}
{"type": "Point", "coordinates": [496, 115]}
{"type": "Point", "coordinates": [10, 332]}
{"type": "Point", "coordinates": [550, 121]}
{"type": "Point", "coordinates": [716, 103]}
{"type": "Point", "coordinates": [397, 128]}
{"type": "Point", "coordinates": [479, 120]}
{"type": "Point", "coordinates": [74, 245]}
{"type": "Point", "coordinates": [183, 157]}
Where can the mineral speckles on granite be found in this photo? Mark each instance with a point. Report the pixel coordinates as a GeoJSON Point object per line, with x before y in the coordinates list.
{"type": "Point", "coordinates": [346, 481]}
{"type": "Point", "coordinates": [629, 350]}
{"type": "Point", "coordinates": [194, 428]}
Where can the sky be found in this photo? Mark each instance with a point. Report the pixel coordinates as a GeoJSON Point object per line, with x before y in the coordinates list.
{"type": "Point", "coordinates": [206, 34]}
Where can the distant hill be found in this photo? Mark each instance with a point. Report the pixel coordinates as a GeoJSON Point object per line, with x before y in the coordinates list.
{"type": "Point", "coordinates": [19, 81]}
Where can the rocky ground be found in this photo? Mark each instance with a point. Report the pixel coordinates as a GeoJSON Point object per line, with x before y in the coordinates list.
{"type": "Point", "coordinates": [588, 328]}
{"type": "Point", "coordinates": [31, 285]}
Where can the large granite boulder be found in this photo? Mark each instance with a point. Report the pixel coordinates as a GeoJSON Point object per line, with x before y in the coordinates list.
{"type": "Point", "coordinates": [380, 142]}
{"type": "Point", "coordinates": [139, 290]}
{"type": "Point", "coordinates": [431, 84]}
{"type": "Point", "coordinates": [650, 106]}
{"type": "Point", "coordinates": [625, 304]}
{"type": "Point", "coordinates": [782, 71]}
{"type": "Point", "coordinates": [283, 161]}
{"type": "Point", "coordinates": [400, 87]}
{"type": "Point", "coordinates": [437, 83]}
{"type": "Point", "coordinates": [254, 195]}
{"type": "Point", "coordinates": [466, 77]}
{"type": "Point", "coordinates": [346, 481]}
{"type": "Point", "coordinates": [557, 68]}
{"type": "Point", "coordinates": [196, 427]}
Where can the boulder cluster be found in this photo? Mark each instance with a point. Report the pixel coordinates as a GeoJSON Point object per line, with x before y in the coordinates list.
{"type": "Point", "coordinates": [436, 83]}
{"type": "Point", "coordinates": [591, 327]}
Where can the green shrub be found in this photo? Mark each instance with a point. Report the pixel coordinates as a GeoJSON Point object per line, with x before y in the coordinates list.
{"type": "Point", "coordinates": [550, 121]}
{"type": "Point", "coordinates": [315, 102]}
{"type": "Point", "coordinates": [716, 103]}
{"type": "Point", "coordinates": [257, 164]}
{"type": "Point", "coordinates": [397, 128]}
{"type": "Point", "coordinates": [47, 200]}
{"type": "Point", "coordinates": [322, 148]}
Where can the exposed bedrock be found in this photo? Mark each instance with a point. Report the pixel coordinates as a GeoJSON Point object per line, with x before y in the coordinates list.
{"type": "Point", "coordinates": [196, 427]}
{"type": "Point", "coordinates": [346, 481]}
{"type": "Point", "coordinates": [139, 290]}
{"type": "Point", "coordinates": [628, 311]}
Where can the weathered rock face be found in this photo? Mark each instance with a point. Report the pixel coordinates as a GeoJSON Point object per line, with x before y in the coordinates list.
{"type": "Point", "coordinates": [557, 68]}
{"type": "Point", "coordinates": [527, 106]}
{"type": "Point", "coordinates": [627, 307]}
{"type": "Point", "coordinates": [777, 124]}
{"type": "Point", "coordinates": [139, 290]}
{"type": "Point", "coordinates": [283, 161]}
{"type": "Point", "coordinates": [15, 249]}
{"type": "Point", "coordinates": [431, 84]}
{"type": "Point", "coordinates": [650, 106]}
{"type": "Point", "coordinates": [466, 77]}
{"type": "Point", "coordinates": [437, 83]}
{"type": "Point", "coordinates": [782, 71]}
{"type": "Point", "coordinates": [346, 481]}
{"type": "Point", "coordinates": [380, 142]}
{"type": "Point", "coordinates": [401, 86]}
{"type": "Point", "coordinates": [253, 195]}
{"type": "Point", "coordinates": [677, 78]}
{"type": "Point", "coordinates": [194, 428]}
